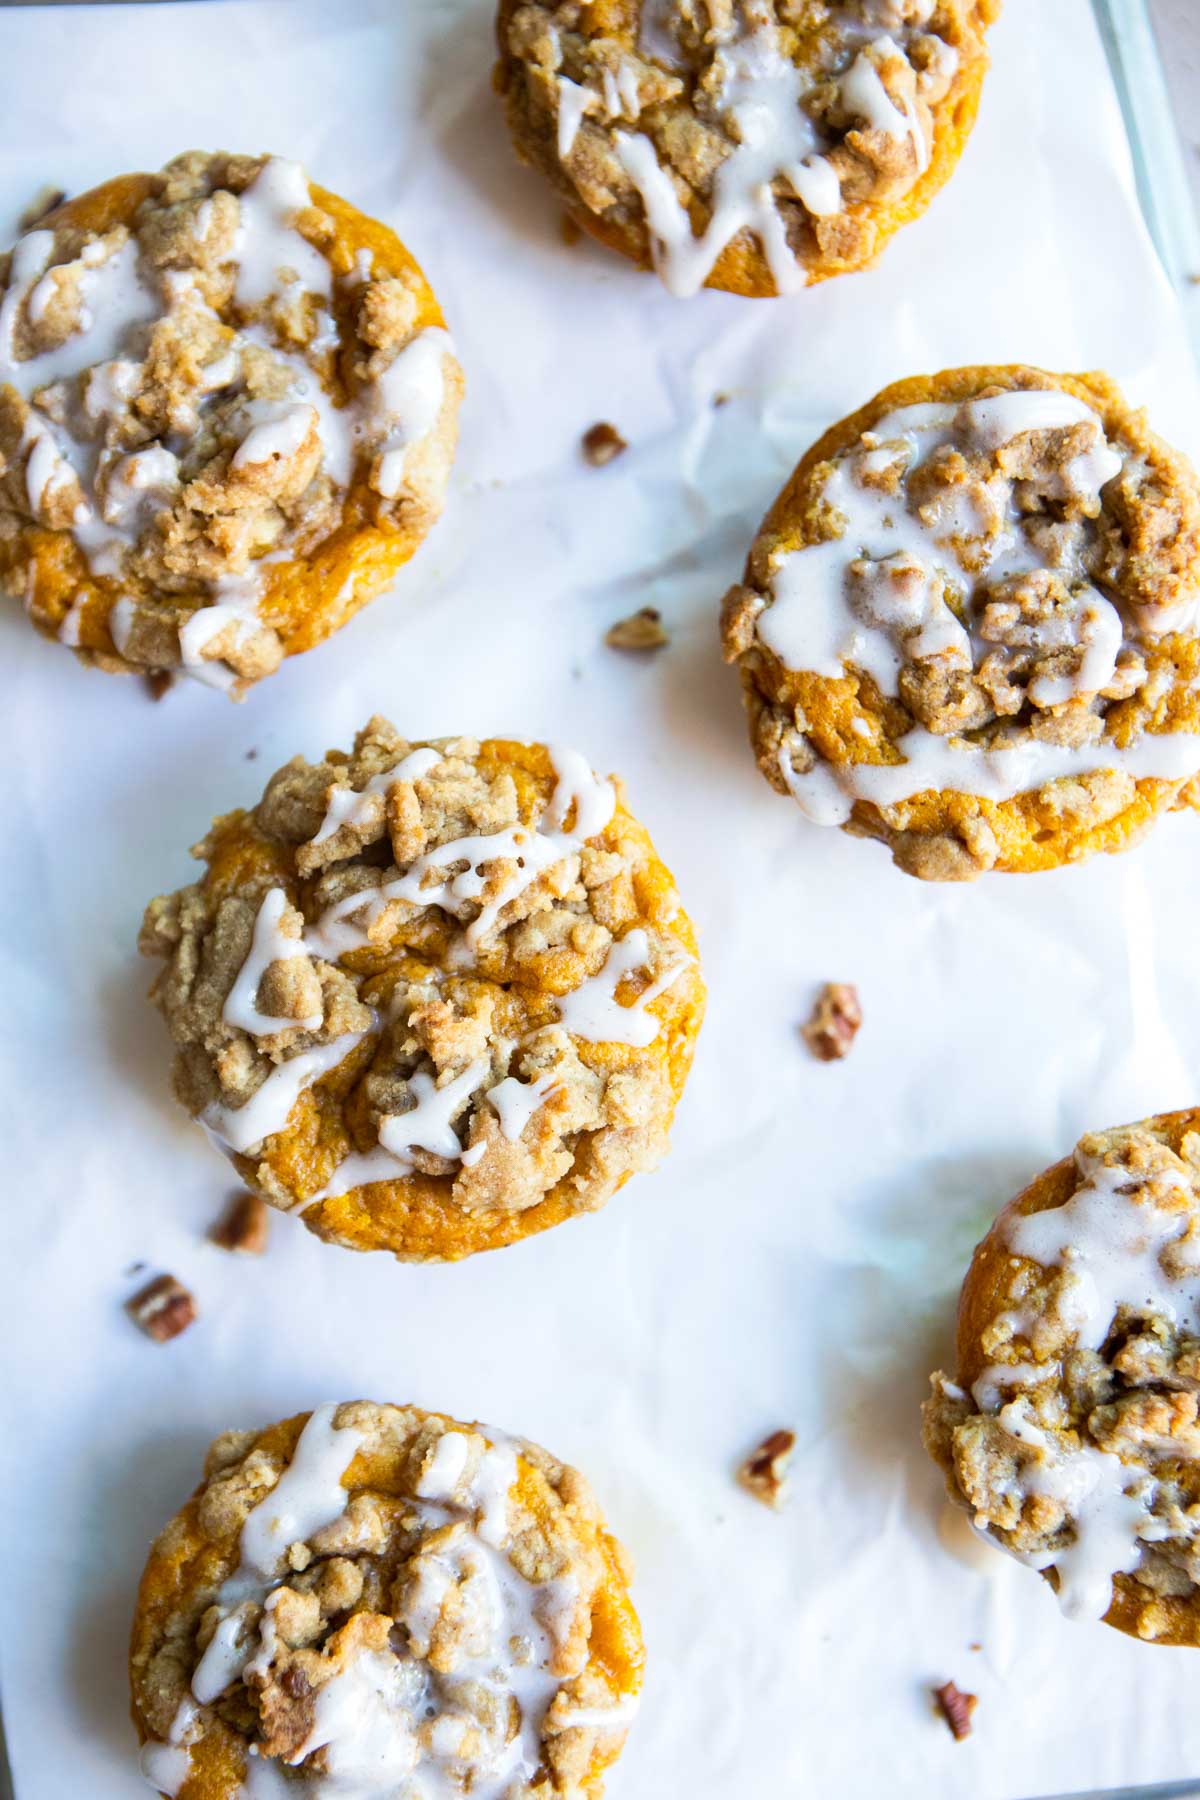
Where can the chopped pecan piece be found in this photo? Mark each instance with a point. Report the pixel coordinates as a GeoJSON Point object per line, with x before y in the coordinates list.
{"type": "Point", "coordinates": [642, 630]}
{"type": "Point", "coordinates": [764, 1472]}
{"type": "Point", "coordinates": [159, 682]}
{"type": "Point", "coordinates": [836, 1017]}
{"type": "Point", "coordinates": [601, 443]}
{"type": "Point", "coordinates": [243, 1227]}
{"type": "Point", "coordinates": [162, 1309]}
{"type": "Point", "coordinates": [956, 1708]}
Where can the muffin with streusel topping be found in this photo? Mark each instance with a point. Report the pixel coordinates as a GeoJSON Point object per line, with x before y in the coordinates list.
{"type": "Point", "coordinates": [228, 409]}
{"type": "Point", "coordinates": [1071, 1429]}
{"type": "Point", "coordinates": [432, 997]}
{"type": "Point", "coordinates": [968, 624]}
{"type": "Point", "coordinates": [743, 144]}
{"type": "Point", "coordinates": [371, 1598]}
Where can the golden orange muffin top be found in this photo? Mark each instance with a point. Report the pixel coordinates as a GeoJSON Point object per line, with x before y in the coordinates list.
{"type": "Point", "coordinates": [209, 380]}
{"type": "Point", "coordinates": [1071, 1430]}
{"type": "Point", "coordinates": [383, 1600]}
{"type": "Point", "coordinates": [435, 996]}
{"type": "Point", "coordinates": [968, 624]}
{"type": "Point", "coordinates": [754, 145]}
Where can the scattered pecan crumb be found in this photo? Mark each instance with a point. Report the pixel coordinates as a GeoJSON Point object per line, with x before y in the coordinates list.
{"type": "Point", "coordinates": [764, 1472]}
{"type": "Point", "coordinates": [601, 443]}
{"type": "Point", "coordinates": [43, 203]}
{"type": "Point", "coordinates": [956, 1708]}
{"type": "Point", "coordinates": [722, 399]}
{"type": "Point", "coordinates": [643, 630]}
{"type": "Point", "coordinates": [243, 1227]}
{"type": "Point", "coordinates": [162, 1309]}
{"type": "Point", "coordinates": [250, 755]}
{"type": "Point", "coordinates": [974, 1646]}
{"type": "Point", "coordinates": [159, 682]}
{"type": "Point", "coordinates": [836, 1017]}
{"type": "Point", "coordinates": [571, 232]}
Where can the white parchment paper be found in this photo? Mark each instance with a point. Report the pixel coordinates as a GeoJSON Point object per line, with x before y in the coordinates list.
{"type": "Point", "coordinates": [795, 1260]}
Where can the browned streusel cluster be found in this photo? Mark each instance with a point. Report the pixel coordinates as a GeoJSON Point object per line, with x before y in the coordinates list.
{"type": "Point", "coordinates": [445, 918]}
{"type": "Point", "coordinates": [453, 1609]}
{"type": "Point", "coordinates": [853, 112]}
{"type": "Point", "coordinates": [208, 378]}
{"type": "Point", "coordinates": [968, 618]}
{"type": "Point", "coordinates": [1071, 1430]}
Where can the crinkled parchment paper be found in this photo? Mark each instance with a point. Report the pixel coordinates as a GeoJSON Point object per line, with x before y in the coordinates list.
{"type": "Point", "coordinates": [795, 1260]}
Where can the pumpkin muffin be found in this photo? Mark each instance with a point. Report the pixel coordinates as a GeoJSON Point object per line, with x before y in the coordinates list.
{"type": "Point", "coordinates": [384, 1601]}
{"type": "Point", "coordinates": [968, 624]}
{"type": "Point", "coordinates": [228, 409]}
{"type": "Point", "coordinates": [433, 997]}
{"type": "Point", "coordinates": [752, 145]}
{"type": "Point", "coordinates": [1070, 1430]}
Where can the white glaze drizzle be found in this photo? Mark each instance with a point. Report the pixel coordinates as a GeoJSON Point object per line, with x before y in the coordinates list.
{"type": "Point", "coordinates": [826, 794]}
{"type": "Point", "coordinates": [268, 244]}
{"type": "Point", "coordinates": [244, 1128]}
{"type": "Point", "coordinates": [517, 1101]}
{"type": "Point", "coordinates": [592, 1010]}
{"type": "Point", "coordinates": [308, 1495]}
{"type": "Point", "coordinates": [270, 944]}
{"type": "Point", "coordinates": [579, 809]}
{"type": "Point", "coordinates": [427, 1125]}
{"type": "Point", "coordinates": [1108, 1505]}
{"type": "Point", "coordinates": [572, 105]}
{"type": "Point", "coordinates": [1111, 1245]}
{"type": "Point", "coordinates": [351, 806]}
{"type": "Point", "coordinates": [403, 404]}
{"type": "Point", "coordinates": [279, 433]}
{"type": "Point", "coordinates": [762, 93]}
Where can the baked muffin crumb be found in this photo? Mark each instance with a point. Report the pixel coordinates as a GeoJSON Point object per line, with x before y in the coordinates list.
{"type": "Point", "coordinates": [1070, 1431]}
{"type": "Point", "coordinates": [372, 1594]}
{"type": "Point", "coordinates": [968, 625]}
{"type": "Point", "coordinates": [753, 147]}
{"type": "Point", "coordinates": [210, 378]}
{"type": "Point", "coordinates": [435, 996]}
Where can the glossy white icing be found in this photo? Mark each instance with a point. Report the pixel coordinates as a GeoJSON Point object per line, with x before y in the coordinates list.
{"type": "Point", "coordinates": [1110, 1242]}
{"type": "Point", "coordinates": [352, 806]}
{"type": "Point", "coordinates": [592, 1010]}
{"type": "Point", "coordinates": [243, 1128]}
{"type": "Point", "coordinates": [516, 1102]}
{"type": "Point", "coordinates": [270, 944]}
